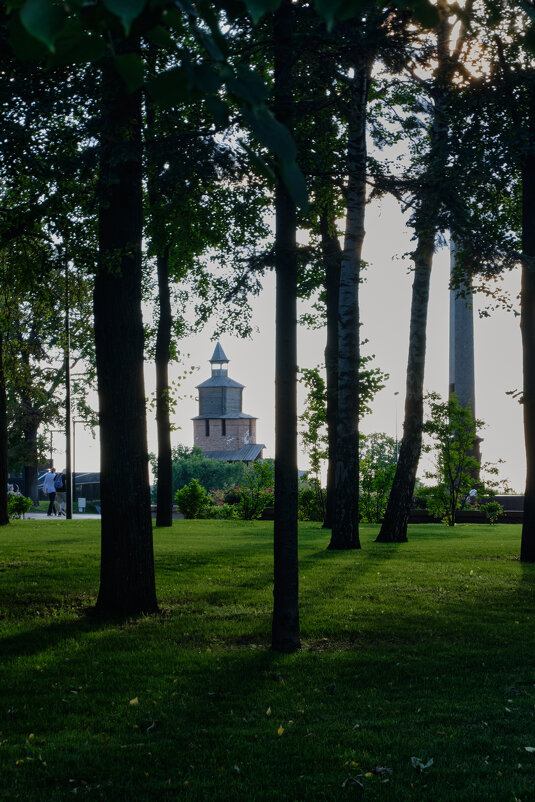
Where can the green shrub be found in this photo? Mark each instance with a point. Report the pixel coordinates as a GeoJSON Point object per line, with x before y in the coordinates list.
{"type": "Point", "coordinates": [192, 500]}
{"type": "Point", "coordinates": [17, 506]}
{"type": "Point", "coordinates": [310, 504]}
{"type": "Point", "coordinates": [493, 511]}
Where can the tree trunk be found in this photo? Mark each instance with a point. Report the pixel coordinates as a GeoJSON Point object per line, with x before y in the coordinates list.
{"type": "Point", "coordinates": [164, 509]}
{"type": "Point", "coordinates": [345, 530]}
{"type": "Point", "coordinates": [285, 625]}
{"type": "Point", "coordinates": [527, 327]}
{"type": "Point", "coordinates": [394, 526]}
{"type": "Point", "coordinates": [332, 260]}
{"type": "Point", "coordinates": [127, 584]}
{"type": "Point", "coordinates": [4, 516]}
{"type": "Point", "coordinates": [30, 478]}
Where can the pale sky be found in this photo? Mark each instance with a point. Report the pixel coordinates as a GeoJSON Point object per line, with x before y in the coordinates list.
{"type": "Point", "coordinates": [385, 309]}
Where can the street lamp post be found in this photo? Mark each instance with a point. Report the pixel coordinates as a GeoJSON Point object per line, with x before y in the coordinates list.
{"type": "Point", "coordinates": [396, 405]}
{"type": "Point", "coordinates": [74, 457]}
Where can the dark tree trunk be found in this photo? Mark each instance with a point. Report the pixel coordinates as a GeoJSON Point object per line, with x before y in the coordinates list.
{"type": "Point", "coordinates": [4, 517]}
{"type": "Point", "coordinates": [164, 491]}
{"type": "Point", "coordinates": [30, 478]}
{"type": "Point", "coordinates": [164, 509]}
{"type": "Point", "coordinates": [527, 327]}
{"type": "Point", "coordinates": [345, 527]}
{"type": "Point", "coordinates": [332, 256]}
{"type": "Point", "coordinates": [285, 625]}
{"type": "Point", "coordinates": [394, 526]}
{"type": "Point", "coordinates": [127, 583]}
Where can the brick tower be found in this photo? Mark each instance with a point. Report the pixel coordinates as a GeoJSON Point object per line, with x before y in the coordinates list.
{"type": "Point", "coordinates": [221, 430]}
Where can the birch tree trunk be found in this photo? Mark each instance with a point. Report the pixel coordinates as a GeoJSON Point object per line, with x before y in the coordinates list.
{"type": "Point", "coordinates": [332, 255]}
{"type": "Point", "coordinates": [345, 529]}
{"type": "Point", "coordinates": [394, 526]}
{"type": "Point", "coordinates": [285, 625]}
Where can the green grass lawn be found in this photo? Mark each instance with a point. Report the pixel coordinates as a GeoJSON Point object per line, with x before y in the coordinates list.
{"type": "Point", "coordinates": [422, 650]}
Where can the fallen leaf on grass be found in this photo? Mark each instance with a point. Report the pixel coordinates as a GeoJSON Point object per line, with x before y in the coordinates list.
{"type": "Point", "coordinates": [420, 765]}
{"type": "Point", "coordinates": [529, 748]}
{"type": "Point", "coordinates": [134, 701]}
{"type": "Point", "coordinates": [353, 780]}
{"type": "Point", "coordinates": [280, 730]}
{"type": "Point", "coordinates": [381, 770]}
{"type": "Point", "coordinates": [268, 711]}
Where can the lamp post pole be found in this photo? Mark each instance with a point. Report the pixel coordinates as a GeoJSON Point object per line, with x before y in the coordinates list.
{"type": "Point", "coordinates": [68, 476]}
{"type": "Point", "coordinates": [74, 457]}
{"type": "Point", "coordinates": [396, 406]}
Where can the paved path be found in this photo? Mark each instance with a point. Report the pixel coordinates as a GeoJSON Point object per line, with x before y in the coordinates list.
{"type": "Point", "coordinates": [79, 516]}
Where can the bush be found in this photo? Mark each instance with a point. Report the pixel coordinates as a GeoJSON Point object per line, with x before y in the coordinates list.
{"type": "Point", "coordinates": [493, 511]}
{"type": "Point", "coordinates": [18, 505]}
{"type": "Point", "coordinates": [192, 500]}
{"type": "Point", "coordinates": [310, 504]}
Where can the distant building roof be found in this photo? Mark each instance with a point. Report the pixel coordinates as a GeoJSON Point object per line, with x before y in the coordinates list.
{"type": "Point", "coordinates": [220, 381]}
{"type": "Point", "coordinates": [219, 355]}
{"type": "Point", "coordinates": [246, 454]}
{"type": "Point", "coordinates": [224, 416]}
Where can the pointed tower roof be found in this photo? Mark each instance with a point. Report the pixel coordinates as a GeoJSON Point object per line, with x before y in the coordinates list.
{"type": "Point", "coordinates": [219, 355]}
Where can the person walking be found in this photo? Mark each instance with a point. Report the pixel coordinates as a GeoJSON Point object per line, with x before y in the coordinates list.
{"type": "Point", "coordinates": [60, 483]}
{"type": "Point", "coordinates": [49, 490]}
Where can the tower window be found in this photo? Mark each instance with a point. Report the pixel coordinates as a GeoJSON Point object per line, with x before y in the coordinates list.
{"type": "Point", "coordinates": [223, 427]}
{"type": "Point", "coordinates": [207, 427]}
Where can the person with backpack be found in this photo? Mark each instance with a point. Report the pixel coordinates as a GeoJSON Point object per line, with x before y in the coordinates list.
{"type": "Point", "coordinates": [60, 484]}
{"type": "Point", "coordinates": [49, 489]}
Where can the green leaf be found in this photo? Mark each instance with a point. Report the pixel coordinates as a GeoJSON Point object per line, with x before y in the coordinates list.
{"type": "Point", "coordinates": [205, 78]}
{"type": "Point", "coordinates": [170, 87]}
{"type": "Point", "coordinates": [270, 132]}
{"type": "Point", "coordinates": [25, 46]}
{"type": "Point", "coordinates": [126, 10]}
{"type": "Point", "coordinates": [334, 11]}
{"type": "Point", "coordinates": [423, 11]}
{"type": "Point", "coordinates": [161, 36]}
{"type": "Point", "coordinates": [130, 67]}
{"type": "Point", "coordinates": [74, 46]}
{"type": "Point", "coordinates": [218, 109]}
{"type": "Point", "coordinates": [261, 166]}
{"type": "Point", "coordinates": [44, 20]}
{"type": "Point", "coordinates": [247, 85]}
{"type": "Point", "coordinates": [257, 8]}
{"type": "Point", "coordinates": [295, 183]}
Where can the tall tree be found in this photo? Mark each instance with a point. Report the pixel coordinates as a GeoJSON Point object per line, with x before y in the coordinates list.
{"type": "Point", "coordinates": [426, 222]}
{"type": "Point", "coordinates": [285, 625]}
{"type": "Point", "coordinates": [127, 583]}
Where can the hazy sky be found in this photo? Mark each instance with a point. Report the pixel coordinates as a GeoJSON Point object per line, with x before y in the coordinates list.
{"type": "Point", "coordinates": [385, 309]}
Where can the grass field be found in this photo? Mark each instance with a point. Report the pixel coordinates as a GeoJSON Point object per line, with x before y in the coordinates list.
{"type": "Point", "coordinates": [419, 651]}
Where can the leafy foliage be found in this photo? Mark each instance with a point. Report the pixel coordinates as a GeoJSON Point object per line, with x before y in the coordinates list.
{"type": "Point", "coordinates": [192, 500]}
{"type": "Point", "coordinates": [18, 505]}
{"type": "Point", "coordinates": [453, 431]}
{"type": "Point", "coordinates": [377, 469]}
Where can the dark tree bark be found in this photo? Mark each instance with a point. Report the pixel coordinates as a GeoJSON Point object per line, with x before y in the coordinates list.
{"type": "Point", "coordinates": [285, 625]}
{"type": "Point", "coordinates": [527, 327]}
{"type": "Point", "coordinates": [164, 500]}
{"type": "Point", "coordinates": [164, 491]}
{"type": "Point", "coordinates": [127, 584]}
{"type": "Point", "coordinates": [332, 256]}
{"type": "Point", "coordinates": [345, 529]}
{"type": "Point", "coordinates": [4, 517]}
{"type": "Point", "coordinates": [394, 526]}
